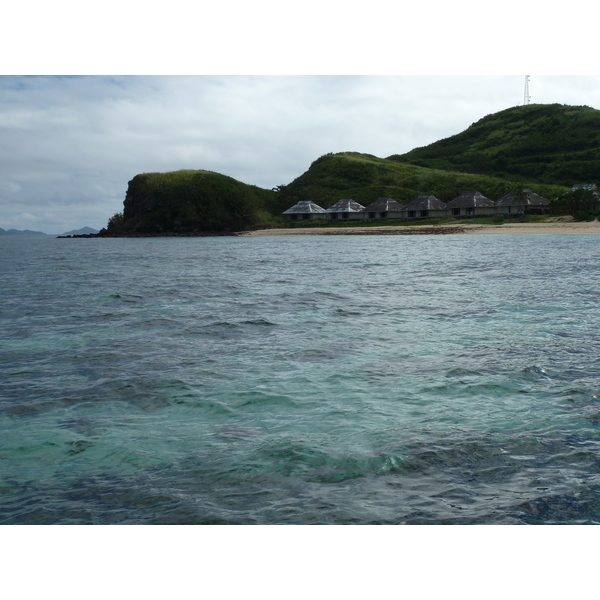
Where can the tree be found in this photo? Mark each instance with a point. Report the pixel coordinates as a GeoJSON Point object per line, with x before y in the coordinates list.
{"type": "Point", "coordinates": [575, 202]}
{"type": "Point", "coordinates": [116, 222]}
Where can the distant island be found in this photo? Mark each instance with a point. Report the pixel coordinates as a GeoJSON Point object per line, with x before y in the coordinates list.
{"type": "Point", "coordinates": [20, 232]}
{"type": "Point", "coordinates": [82, 231]}
{"type": "Point", "coordinates": [545, 148]}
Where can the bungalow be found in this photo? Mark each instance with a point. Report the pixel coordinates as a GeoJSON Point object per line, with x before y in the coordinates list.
{"type": "Point", "coordinates": [527, 202]}
{"type": "Point", "coordinates": [303, 210]}
{"type": "Point", "coordinates": [425, 207]}
{"type": "Point", "coordinates": [471, 204]}
{"type": "Point", "coordinates": [345, 209]}
{"type": "Point", "coordinates": [383, 208]}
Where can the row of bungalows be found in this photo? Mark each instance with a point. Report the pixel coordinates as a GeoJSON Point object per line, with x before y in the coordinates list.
{"type": "Point", "coordinates": [427, 206]}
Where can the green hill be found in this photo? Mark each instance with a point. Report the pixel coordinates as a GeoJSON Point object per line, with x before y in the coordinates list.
{"type": "Point", "coordinates": [547, 143]}
{"type": "Point", "coordinates": [364, 178]}
{"type": "Point", "coordinates": [191, 201]}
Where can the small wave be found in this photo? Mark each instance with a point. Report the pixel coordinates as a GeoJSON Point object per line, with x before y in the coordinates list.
{"type": "Point", "coordinates": [348, 312]}
{"type": "Point", "coordinates": [226, 328]}
{"type": "Point", "coordinates": [316, 355]}
{"type": "Point", "coordinates": [79, 446]}
{"type": "Point", "coordinates": [536, 371]}
{"type": "Point", "coordinates": [353, 467]}
{"type": "Point", "coordinates": [153, 322]}
{"type": "Point", "coordinates": [259, 323]}
{"type": "Point", "coordinates": [232, 433]}
{"type": "Point", "coordinates": [126, 297]}
{"type": "Point", "coordinates": [264, 399]}
{"type": "Point", "coordinates": [319, 466]}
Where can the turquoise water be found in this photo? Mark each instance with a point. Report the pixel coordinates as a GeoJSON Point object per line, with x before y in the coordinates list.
{"type": "Point", "coordinates": [305, 379]}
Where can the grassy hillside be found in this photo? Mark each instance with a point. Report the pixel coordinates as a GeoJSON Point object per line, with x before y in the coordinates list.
{"type": "Point", "coordinates": [548, 143]}
{"type": "Point", "coordinates": [184, 201]}
{"type": "Point", "coordinates": [545, 147]}
{"type": "Point", "coordinates": [364, 178]}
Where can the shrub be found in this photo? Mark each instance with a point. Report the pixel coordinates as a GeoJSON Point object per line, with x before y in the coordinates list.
{"type": "Point", "coordinates": [115, 223]}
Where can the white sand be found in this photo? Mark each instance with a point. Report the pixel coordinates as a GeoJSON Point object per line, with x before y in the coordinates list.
{"type": "Point", "coordinates": [555, 227]}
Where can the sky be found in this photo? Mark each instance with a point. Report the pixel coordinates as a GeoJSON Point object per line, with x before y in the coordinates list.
{"type": "Point", "coordinates": [69, 145]}
{"type": "Point", "coordinates": [258, 98]}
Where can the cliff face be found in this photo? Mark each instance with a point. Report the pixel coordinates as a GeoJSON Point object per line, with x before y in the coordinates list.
{"type": "Point", "coordinates": [187, 201]}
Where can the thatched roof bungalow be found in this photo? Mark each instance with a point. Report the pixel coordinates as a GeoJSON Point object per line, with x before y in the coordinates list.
{"type": "Point", "coordinates": [471, 204]}
{"type": "Point", "coordinates": [383, 208]}
{"type": "Point", "coordinates": [519, 204]}
{"type": "Point", "coordinates": [425, 207]}
{"type": "Point", "coordinates": [346, 209]}
{"type": "Point", "coordinates": [303, 210]}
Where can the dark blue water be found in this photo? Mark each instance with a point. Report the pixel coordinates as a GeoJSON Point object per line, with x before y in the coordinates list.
{"type": "Point", "coordinates": [270, 380]}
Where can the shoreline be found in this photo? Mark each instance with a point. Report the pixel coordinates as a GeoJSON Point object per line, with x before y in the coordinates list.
{"type": "Point", "coordinates": [562, 226]}
{"type": "Point", "coordinates": [551, 228]}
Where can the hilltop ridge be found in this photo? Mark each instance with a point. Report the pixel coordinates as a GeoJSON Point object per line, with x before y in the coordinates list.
{"type": "Point", "coordinates": [547, 143]}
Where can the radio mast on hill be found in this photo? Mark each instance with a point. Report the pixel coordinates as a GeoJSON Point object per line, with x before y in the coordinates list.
{"type": "Point", "coordinates": [526, 96]}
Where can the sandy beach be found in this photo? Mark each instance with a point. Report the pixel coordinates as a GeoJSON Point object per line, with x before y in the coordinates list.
{"type": "Point", "coordinates": [554, 227]}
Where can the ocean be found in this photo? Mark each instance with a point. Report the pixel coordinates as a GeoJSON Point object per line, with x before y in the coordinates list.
{"type": "Point", "coordinates": [300, 380]}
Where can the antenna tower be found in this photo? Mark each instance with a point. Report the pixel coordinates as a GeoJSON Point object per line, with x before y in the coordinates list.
{"type": "Point", "coordinates": [526, 96]}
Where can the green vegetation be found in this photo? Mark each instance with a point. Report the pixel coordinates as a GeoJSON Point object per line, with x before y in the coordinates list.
{"type": "Point", "coordinates": [543, 143]}
{"type": "Point", "coordinates": [116, 223]}
{"type": "Point", "coordinates": [365, 178]}
{"type": "Point", "coordinates": [190, 201]}
{"type": "Point", "coordinates": [547, 148]}
{"type": "Point", "coordinates": [581, 203]}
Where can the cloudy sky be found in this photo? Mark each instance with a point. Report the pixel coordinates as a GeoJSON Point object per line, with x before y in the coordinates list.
{"type": "Point", "coordinates": [69, 144]}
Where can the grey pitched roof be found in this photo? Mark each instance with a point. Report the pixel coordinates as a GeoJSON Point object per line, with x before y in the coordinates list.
{"type": "Point", "coordinates": [304, 207]}
{"type": "Point", "coordinates": [470, 199]}
{"type": "Point", "coordinates": [531, 199]}
{"type": "Point", "coordinates": [425, 202]}
{"type": "Point", "coordinates": [346, 205]}
{"type": "Point", "coordinates": [384, 205]}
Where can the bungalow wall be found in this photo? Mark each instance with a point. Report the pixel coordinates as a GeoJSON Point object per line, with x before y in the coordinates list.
{"type": "Point", "coordinates": [424, 213]}
{"type": "Point", "coordinates": [390, 214]}
{"type": "Point", "coordinates": [304, 216]}
{"type": "Point", "coordinates": [522, 209]}
{"type": "Point", "coordinates": [473, 211]}
{"type": "Point", "coordinates": [514, 209]}
{"type": "Point", "coordinates": [346, 216]}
